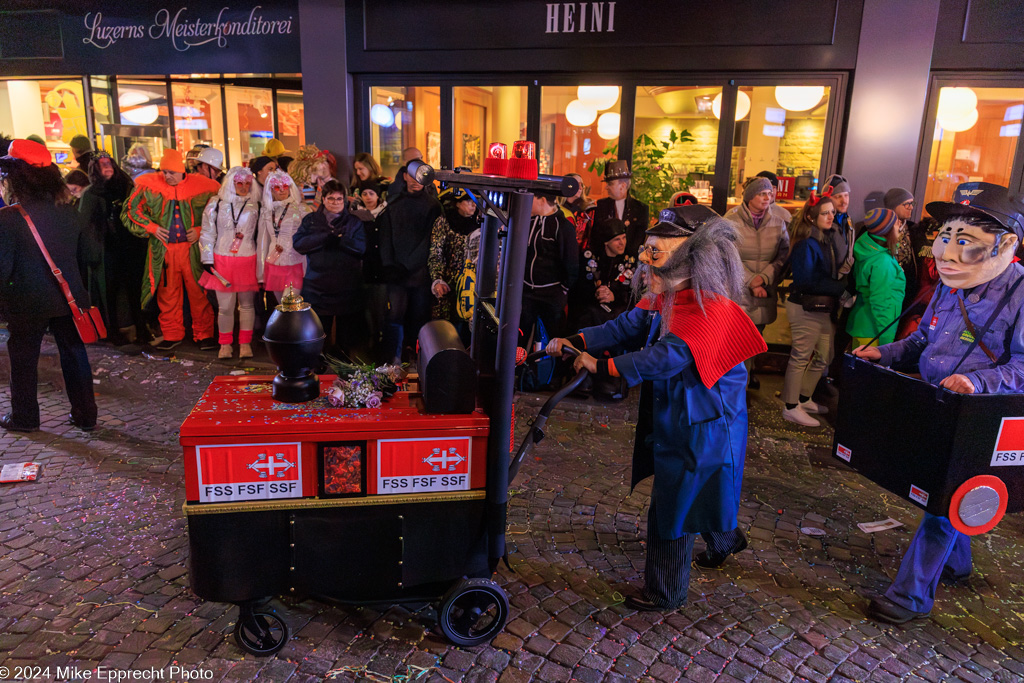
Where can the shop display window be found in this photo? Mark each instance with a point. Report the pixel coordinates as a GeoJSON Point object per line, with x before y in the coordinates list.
{"type": "Point", "coordinates": [676, 140]}
{"type": "Point", "coordinates": [250, 122]}
{"type": "Point", "coordinates": [779, 129]}
{"type": "Point", "coordinates": [405, 117]}
{"type": "Point", "coordinates": [486, 114]}
{"type": "Point", "coordinates": [198, 115]}
{"type": "Point", "coordinates": [53, 109]}
{"type": "Point", "coordinates": [291, 128]}
{"type": "Point", "coordinates": [975, 138]}
{"type": "Point", "coordinates": [143, 103]}
{"type": "Point", "coordinates": [577, 126]}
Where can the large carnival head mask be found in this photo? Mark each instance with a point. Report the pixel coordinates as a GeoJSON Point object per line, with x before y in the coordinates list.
{"type": "Point", "coordinates": [981, 229]}
{"type": "Point", "coordinates": [690, 247]}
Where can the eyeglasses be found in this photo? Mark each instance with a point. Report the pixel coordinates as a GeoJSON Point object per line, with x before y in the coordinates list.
{"type": "Point", "coordinates": [827, 213]}
{"type": "Point", "coordinates": [908, 205]}
{"type": "Point", "coordinates": [334, 199]}
{"type": "Point", "coordinates": [651, 252]}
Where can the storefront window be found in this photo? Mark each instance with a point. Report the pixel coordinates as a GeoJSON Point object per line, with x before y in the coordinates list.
{"type": "Point", "coordinates": [291, 129]}
{"type": "Point", "coordinates": [55, 110]}
{"type": "Point", "coordinates": [250, 122]}
{"type": "Point", "coordinates": [102, 110]}
{"type": "Point", "coordinates": [198, 116]}
{"type": "Point", "coordinates": [687, 164]}
{"type": "Point", "coordinates": [975, 138]}
{"type": "Point", "coordinates": [578, 125]}
{"type": "Point", "coordinates": [484, 115]}
{"type": "Point", "coordinates": [401, 118]}
{"type": "Point", "coordinates": [782, 130]}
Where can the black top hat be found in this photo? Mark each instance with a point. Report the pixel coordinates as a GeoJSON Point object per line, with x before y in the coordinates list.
{"type": "Point", "coordinates": [983, 200]}
{"type": "Point", "coordinates": [616, 170]}
{"type": "Point", "coordinates": [681, 221]}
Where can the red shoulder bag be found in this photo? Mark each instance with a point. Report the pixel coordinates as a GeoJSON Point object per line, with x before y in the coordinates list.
{"type": "Point", "coordinates": [89, 322]}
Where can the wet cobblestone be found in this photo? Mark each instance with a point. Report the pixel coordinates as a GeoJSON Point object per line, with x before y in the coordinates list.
{"type": "Point", "coordinates": [93, 563]}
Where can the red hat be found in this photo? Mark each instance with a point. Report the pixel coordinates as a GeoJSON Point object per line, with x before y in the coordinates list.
{"type": "Point", "coordinates": [32, 153]}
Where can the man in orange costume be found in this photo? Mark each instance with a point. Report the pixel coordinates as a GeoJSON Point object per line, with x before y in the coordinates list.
{"type": "Point", "coordinates": [167, 208]}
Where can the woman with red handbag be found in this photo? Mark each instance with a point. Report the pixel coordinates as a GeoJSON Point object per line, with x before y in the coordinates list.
{"type": "Point", "coordinates": [31, 295]}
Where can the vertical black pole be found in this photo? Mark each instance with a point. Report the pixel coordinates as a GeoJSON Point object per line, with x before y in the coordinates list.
{"type": "Point", "coordinates": [723, 159]}
{"type": "Point", "coordinates": [510, 289]}
{"type": "Point", "coordinates": [486, 273]}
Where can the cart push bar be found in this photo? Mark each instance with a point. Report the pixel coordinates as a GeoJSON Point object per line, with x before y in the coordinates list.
{"type": "Point", "coordinates": [505, 205]}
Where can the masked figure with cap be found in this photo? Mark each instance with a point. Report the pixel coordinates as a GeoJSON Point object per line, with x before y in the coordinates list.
{"type": "Point", "coordinates": [167, 209]}
{"type": "Point", "coordinates": [686, 342]}
{"type": "Point", "coordinates": [30, 296]}
{"type": "Point", "coordinates": [974, 250]}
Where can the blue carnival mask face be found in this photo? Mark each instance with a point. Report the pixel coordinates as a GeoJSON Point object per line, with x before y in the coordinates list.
{"type": "Point", "coordinates": [966, 256]}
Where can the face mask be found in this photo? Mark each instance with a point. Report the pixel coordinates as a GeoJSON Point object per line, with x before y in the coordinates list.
{"type": "Point", "coordinates": [966, 256]}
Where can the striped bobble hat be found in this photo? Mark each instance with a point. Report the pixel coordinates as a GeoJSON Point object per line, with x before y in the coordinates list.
{"type": "Point", "coordinates": [879, 221]}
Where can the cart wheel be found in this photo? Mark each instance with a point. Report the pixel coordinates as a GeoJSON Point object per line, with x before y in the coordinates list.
{"type": "Point", "coordinates": [261, 633]}
{"type": "Point", "coordinates": [978, 505]}
{"type": "Point", "coordinates": [473, 612]}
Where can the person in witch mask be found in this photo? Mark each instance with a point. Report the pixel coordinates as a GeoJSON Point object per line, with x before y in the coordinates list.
{"type": "Point", "coordinates": [688, 339]}
{"type": "Point", "coordinates": [974, 250]}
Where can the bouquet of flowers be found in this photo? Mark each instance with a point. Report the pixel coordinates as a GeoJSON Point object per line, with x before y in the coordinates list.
{"type": "Point", "coordinates": [362, 386]}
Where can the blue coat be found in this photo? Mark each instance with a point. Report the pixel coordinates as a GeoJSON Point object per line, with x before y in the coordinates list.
{"type": "Point", "coordinates": [691, 438]}
{"type": "Point", "coordinates": [942, 338]}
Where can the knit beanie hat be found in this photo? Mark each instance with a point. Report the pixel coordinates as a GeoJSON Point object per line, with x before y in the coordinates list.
{"type": "Point", "coordinates": [80, 144]}
{"type": "Point", "coordinates": [756, 186]}
{"type": "Point", "coordinates": [257, 164]}
{"type": "Point", "coordinates": [879, 221]}
{"type": "Point", "coordinates": [171, 161]}
{"type": "Point", "coordinates": [837, 183]}
{"type": "Point", "coordinates": [897, 196]}
{"type": "Point", "coordinates": [770, 176]}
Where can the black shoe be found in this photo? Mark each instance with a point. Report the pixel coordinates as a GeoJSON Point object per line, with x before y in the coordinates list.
{"type": "Point", "coordinates": [950, 579]}
{"type": "Point", "coordinates": [644, 605]}
{"type": "Point", "coordinates": [167, 345]}
{"type": "Point", "coordinates": [753, 383]}
{"type": "Point", "coordinates": [884, 609]}
{"type": "Point", "coordinates": [84, 426]}
{"type": "Point", "coordinates": [711, 560]}
{"type": "Point", "coordinates": [7, 424]}
{"type": "Point", "coordinates": [208, 344]}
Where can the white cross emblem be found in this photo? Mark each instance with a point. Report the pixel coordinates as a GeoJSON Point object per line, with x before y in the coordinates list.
{"type": "Point", "coordinates": [444, 459]}
{"type": "Point", "coordinates": [269, 466]}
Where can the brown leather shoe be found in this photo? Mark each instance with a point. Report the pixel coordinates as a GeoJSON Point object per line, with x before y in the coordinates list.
{"type": "Point", "coordinates": [884, 609]}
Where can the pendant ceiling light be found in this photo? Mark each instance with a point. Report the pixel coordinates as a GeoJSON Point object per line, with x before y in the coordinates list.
{"type": "Point", "coordinates": [580, 113]}
{"type": "Point", "coordinates": [798, 97]}
{"type": "Point", "coordinates": [956, 103]}
{"type": "Point", "coordinates": [134, 108]}
{"type": "Point", "coordinates": [960, 123]}
{"type": "Point", "coordinates": [742, 105]}
{"type": "Point", "coordinates": [601, 97]}
{"type": "Point", "coordinates": [608, 126]}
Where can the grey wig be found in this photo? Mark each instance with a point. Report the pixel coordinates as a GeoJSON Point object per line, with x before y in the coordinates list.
{"type": "Point", "coordinates": [709, 260]}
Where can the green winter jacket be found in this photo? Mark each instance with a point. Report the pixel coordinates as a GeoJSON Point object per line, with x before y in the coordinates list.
{"type": "Point", "coordinates": [880, 287]}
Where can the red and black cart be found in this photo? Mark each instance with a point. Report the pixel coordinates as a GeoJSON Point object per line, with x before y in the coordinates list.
{"type": "Point", "coordinates": [390, 505]}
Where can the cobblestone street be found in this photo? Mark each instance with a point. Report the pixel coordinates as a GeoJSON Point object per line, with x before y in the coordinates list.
{"type": "Point", "coordinates": [93, 563]}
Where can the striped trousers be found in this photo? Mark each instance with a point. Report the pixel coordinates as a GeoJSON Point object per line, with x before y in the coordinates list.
{"type": "Point", "coordinates": [721, 542]}
{"type": "Point", "coordinates": [667, 571]}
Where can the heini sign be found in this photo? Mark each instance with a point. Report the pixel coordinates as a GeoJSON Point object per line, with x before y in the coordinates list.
{"type": "Point", "coordinates": [581, 17]}
{"type": "Point", "coordinates": [182, 30]}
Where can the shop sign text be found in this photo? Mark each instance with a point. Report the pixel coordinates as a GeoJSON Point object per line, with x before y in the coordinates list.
{"type": "Point", "coordinates": [185, 31]}
{"type": "Point", "coordinates": [580, 17]}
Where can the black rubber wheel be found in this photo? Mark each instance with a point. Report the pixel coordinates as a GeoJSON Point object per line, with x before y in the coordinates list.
{"type": "Point", "coordinates": [473, 612]}
{"type": "Point", "coordinates": [261, 634]}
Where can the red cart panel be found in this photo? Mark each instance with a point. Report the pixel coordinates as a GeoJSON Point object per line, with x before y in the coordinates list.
{"type": "Point", "coordinates": [241, 445]}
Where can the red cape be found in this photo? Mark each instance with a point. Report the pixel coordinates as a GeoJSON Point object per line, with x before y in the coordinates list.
{"type": "Point", "coordinates": [720, 337]}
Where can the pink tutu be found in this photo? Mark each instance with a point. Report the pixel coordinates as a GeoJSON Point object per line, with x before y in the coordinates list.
{"type": "Point", "coordinates": [276, 278]}
{"type": "Point", "coordinates": [240, 271]}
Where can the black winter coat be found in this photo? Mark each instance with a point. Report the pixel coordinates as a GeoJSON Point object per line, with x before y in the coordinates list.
{"type": "Point", "coordinates": [404, 230]}
{"type": "Point", "coordinates": [334, 253]}
{"type": "Point", "coordinates": [27, 287]}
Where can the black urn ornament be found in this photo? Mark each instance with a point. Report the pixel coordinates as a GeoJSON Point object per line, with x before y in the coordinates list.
{"type": "Point", "coordinates": [294, 338]}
